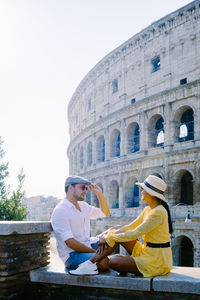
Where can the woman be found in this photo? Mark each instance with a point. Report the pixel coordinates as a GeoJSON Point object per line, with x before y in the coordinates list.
{"type": "Point", "coordinates": [154, 225]}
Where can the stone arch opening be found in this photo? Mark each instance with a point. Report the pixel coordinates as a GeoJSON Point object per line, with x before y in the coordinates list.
{"type": "Point", "coordinates": [184, 124]}
{"type": "Point", "coordinates": [89, 154]}
{"type": "Point", "coordinates": [156, 131]}
{"type": "Point", "coordinates": [157, 174]}
{"type": "Point", "coordinates": [131, 195]}
{"type": "Point", "coordinates": [183, 254]}
{"type": "Point", "coordinates": [187, 189]}
{"type": "Point", "coordinates": [186, 132]}
{"type": "Point", "coordinates": [133, 138]}
{"type": "Point", "coordinates": [183, 188]}
{"type": "Point", "coordinates": [100, 149]}
{"type": "Point", "coordinates": [115, 143]}
{"type": "Point", "coordinates": [114, 194]}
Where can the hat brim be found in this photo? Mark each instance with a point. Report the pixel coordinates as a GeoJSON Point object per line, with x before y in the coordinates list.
{"type": "Point", "coordinates": [151, 192]}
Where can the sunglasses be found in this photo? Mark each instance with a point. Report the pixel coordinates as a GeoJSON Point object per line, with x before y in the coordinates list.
{"type": "Point", "coordinates": [82, 187]}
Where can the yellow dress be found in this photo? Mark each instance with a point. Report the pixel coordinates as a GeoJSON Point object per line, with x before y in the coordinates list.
{"type": "Point", "coordinates": [152, 226]}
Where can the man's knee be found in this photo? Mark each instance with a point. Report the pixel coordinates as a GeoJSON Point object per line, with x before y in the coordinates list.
{"type": "Point", "coordinates": [103, 265]}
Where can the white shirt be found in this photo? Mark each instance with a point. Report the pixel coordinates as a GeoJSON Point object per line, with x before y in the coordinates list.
{"type": "Point", "coordinates": [68, 222]}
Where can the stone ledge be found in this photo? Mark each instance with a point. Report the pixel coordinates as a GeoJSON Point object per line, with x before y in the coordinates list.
{"type": "Point", "coordinates": [110, 280]}
{"type": "Point", "coordinates": [181, 280]}
{"type": "Point", "coordinates": [24, 227]}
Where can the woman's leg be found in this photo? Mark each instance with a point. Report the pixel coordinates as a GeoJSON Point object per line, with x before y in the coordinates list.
{"type": "Point", "coordinates": [128, 246]}
{"type": "Point", "coordinates": [102, 259]}
{"type": "Point", "coordinates": [123, 264]}
{"type": "Point", "coordinates": [107, 251]}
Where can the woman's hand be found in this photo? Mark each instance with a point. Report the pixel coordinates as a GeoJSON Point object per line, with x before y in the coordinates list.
{"type": "Point", "coordinates": [102, 245]}
{"type": "Point", "coordinates": [102, 241]}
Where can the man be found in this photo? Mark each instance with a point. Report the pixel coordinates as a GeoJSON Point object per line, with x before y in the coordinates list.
{"type": "Point", "coordinates": [71, 224]}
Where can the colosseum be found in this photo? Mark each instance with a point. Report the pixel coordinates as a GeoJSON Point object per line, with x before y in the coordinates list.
{"type": "Point", "coordinates": [137, 112]}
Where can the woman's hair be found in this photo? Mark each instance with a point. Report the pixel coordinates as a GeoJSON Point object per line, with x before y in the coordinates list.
{"type": "Point", "coordinates": [166, 206]}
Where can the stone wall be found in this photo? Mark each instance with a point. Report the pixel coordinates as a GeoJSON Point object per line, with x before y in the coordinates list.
{"type": "Point", "coordinates": [24, 246]}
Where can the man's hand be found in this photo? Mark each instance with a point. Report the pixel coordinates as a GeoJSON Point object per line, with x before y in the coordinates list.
{"type": "Point", "coordinates": [93, 187]}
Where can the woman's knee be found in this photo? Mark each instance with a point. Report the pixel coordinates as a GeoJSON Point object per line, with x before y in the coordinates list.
{"type": "Point", "coordinates": [114, 261]}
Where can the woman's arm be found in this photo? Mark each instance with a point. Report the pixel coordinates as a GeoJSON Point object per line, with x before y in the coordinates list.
{"type": "Point", "coordinates": [153, 220]}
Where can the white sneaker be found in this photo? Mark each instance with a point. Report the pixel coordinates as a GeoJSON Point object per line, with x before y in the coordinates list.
{"type": "Point", "coordinates": [86, 268]}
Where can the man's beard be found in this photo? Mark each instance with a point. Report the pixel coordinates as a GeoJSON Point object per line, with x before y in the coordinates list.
{"type": "Point", "coordinates": [78, 198]}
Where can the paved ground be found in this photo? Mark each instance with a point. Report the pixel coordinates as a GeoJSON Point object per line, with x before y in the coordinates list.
{"type": "Point", "coordinates": [54, 258]}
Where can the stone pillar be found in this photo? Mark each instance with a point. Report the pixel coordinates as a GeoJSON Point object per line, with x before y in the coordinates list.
{"type": "Point", "coordinates": [121, 195]}
{"type": "Point", "coordinates": [168, 127]}
{"type": "Point", "coordinates": [107, 143]}
{"type": "Point", "coordinates": [197, 120]}
{"type": "Point", "coordinates": [23, 247]}
{"type": "Point", "coordinates": [94, 150]}
{"type": "Point", "coordinates": [123, 138]}
{"type": "Point", "coordinates": [143, 132]}
{"type": "Point", "coordinates": [197, 252]}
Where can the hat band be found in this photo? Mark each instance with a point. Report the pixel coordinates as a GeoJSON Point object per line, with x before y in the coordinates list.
{"type": "Point", "coordinates": [153, 188]}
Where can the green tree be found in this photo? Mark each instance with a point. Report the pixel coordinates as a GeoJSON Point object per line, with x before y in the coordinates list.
{"type": "Point", "coordinates": [11, 207]}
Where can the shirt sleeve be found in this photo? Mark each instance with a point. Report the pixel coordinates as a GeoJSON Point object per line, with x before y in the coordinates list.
{"type": "Point", "coordinates": [153, 220]}
{"type": "Point", "coordinates": [61, 225]}
{"type": "Point", "coordinates": [95, 212]}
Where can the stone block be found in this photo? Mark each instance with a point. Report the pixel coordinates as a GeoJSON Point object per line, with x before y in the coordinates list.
{"type": "Point", "coordinates": [180, 280]}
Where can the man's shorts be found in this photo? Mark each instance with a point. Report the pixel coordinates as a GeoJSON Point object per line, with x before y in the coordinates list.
{"type": "Point", "coordinates": [77, 258]}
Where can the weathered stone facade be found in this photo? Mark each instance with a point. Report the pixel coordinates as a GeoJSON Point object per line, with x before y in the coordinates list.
{"type": "Point", "coordinates": [137, 112]}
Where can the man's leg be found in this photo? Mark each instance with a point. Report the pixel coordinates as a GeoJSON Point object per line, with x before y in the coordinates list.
{"type": "Point", "coordinates": [77, 258]}
{"type": "Point", "coordinates": [99, 261]}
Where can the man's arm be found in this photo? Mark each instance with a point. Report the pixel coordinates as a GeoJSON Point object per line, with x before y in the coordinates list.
{"type": "Point", "coordinates": [77, 246]}
{"type": "Point", "coordinates": [102, 199]}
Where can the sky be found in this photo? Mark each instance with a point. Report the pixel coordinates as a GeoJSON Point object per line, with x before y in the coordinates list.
{"type": "Point", "coordinates": [46, 48]}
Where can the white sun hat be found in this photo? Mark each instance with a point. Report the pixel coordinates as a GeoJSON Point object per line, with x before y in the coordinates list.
{"type": "Point", "coordinates": [154, 186]}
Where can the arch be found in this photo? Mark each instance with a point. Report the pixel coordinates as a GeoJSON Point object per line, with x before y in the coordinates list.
{"type": "Point", "coordinates": [156, 131]}
{"type": "Point", "coordinates": [115, 143]}
{"type": "Point", "coordinates": [131, 193]}
{"type": "Point", "coordinates": [183, 254]}
{"type": "Point", "coordinates": [184, 124]}
{"type": "Point", "coordinates": [186, 131]}
{"type": "Point", "coordinates": [183, 187]}
{"type": "Point", "coordinates": [100, 149]}
{"type": "Point", "coordinates": [133, 138]}
{"type": "Point", "coordinates": [158, 175]}
{"type": "Point", "coordinates": [187, 189]}
{"type": "Point", "coordinates": [114, 194]}
{"type": "Point", "coordinates": [81, 158]}
{"type": "Point", "coordinates": [89, 154]}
